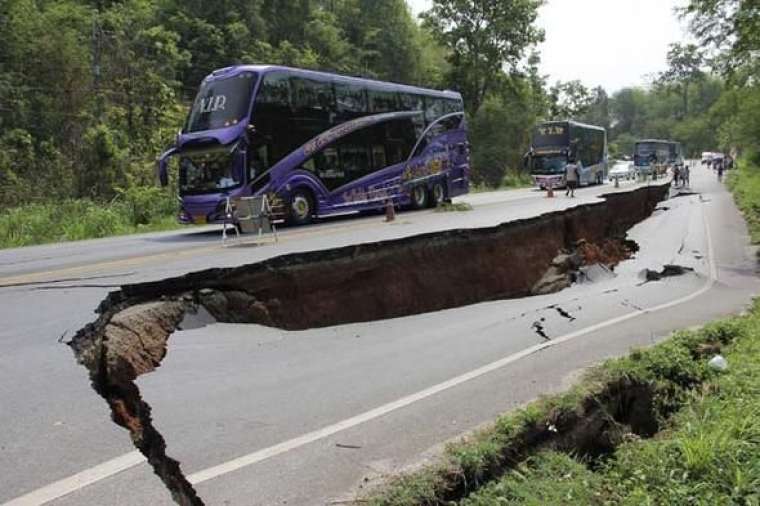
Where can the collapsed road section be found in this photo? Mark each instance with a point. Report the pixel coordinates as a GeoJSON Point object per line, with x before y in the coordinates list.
{"type": "Point", "coordinates": [356, 283]}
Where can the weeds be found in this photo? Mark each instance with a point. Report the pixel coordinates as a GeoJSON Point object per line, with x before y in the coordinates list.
{"type": "Point", "coordinates": [135, 210]}
{"type": "Point", "coordinates": [445, 207]}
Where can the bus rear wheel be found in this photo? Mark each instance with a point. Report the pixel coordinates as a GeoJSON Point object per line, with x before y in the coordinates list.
{"type": "Point", "coordinates": [419, 197]}
{"type": "Point", "coordinates": [301, 208]}
{"type": "Point", "coordinates": [437, 195]}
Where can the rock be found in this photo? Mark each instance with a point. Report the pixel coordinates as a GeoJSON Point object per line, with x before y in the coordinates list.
{"type": "Point", "coordinates": [552, 281]}
{"type": "Point", "coordinates": [718, 363]}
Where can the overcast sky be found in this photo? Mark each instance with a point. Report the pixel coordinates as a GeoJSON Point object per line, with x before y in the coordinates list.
{"type": "Point", "coordinates": [613, 43]}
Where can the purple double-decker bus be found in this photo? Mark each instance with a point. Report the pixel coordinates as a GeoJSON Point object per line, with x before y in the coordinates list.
{"type": "Point", "coordinates": [318, 143]}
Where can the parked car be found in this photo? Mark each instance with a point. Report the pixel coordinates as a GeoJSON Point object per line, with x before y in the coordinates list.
{"type": "Point", "coordinates": [622, 170]}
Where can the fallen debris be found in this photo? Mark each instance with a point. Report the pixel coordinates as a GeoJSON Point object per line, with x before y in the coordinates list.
{"type": "Point", "coordinates": [667, 271]}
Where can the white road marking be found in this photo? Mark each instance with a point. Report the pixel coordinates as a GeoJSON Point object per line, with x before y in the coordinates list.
{"type": "Point", "coordinates": [78, 481]}
{"type": "Point", "coordinates": [112, 467]}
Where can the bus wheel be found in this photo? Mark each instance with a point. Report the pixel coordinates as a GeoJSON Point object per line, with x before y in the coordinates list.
{"type": "Point", "coordinates": [301, 209]}
{"type": "Point", "coordinates": [437, 195]}
{"type": "Point", "coordinates": [419, 197]}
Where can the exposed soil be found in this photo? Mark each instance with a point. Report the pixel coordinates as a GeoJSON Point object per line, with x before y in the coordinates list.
{"type": "Point", "coordinates": [351, 284]}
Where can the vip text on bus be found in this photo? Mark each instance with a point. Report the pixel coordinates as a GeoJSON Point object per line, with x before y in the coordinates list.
{"type": "Point", "coordinates": [555, 143]}
{"type": "Point", "coordinates": [318, 143]}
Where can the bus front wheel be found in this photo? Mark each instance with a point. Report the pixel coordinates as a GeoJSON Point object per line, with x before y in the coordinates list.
{"type": "Point", "coordinates": [301, 209]}
{"type": "Point", "coordinates": [419, 197]}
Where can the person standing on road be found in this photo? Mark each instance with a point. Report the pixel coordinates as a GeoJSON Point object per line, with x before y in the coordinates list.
{"type": "Point", "coordinates": [685, 175]}
{"type": "Point", "coordinates": [719, 165]}
{"type": "Point", "coordinates": [572, 174]}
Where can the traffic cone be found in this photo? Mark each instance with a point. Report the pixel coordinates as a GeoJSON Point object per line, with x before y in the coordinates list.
{"type": "Point", "coordinates": [550, 190]}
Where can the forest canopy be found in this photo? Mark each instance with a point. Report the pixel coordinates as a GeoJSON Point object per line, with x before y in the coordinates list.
{"type": "Point", "coordinates": [91, 91]}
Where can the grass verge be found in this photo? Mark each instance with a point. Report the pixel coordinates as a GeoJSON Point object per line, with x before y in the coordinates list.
{"type": "Point", "coordinates": [656, 427]}
{"type": "Point", "coordinates": [73, 220]}
{"type": "Point", "coordinates": [744, 183]}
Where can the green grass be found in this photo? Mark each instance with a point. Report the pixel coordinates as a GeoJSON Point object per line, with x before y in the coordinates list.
{"type": "Point", "coordinates": [512, 179]}
{"type": "Point", "coordinates": [72, 220]}
{"type": "Point", "coordinates": [445, 207]}
{"type": "Point", "coordinates": [707, 450]}
{"type": "Point", "coordinates": [744, 183]}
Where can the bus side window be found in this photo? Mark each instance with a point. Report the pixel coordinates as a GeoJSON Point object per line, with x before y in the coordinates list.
{"type": "Point", "coordinates": [351, 101]}
{"type": "Point", "coordinates": [272, 115]}
{"type": "Point", "coordinates": [274, 92]}
{"type": "Point", "coordinates": [377, 142]}
{"type": "Point", "coordinates": [327, 164]}
{"type": "Point", "coordinates": [312, 97]}
{"type": "Point", "coordinates": [378, 157]}
{"type": "Point", "coordinates": [434, 108]}
{"type": "Point", "coordinates": [401, 137]}
{"type": "Point", "coordinates": [382, 101]}
{"type": "Point", "coordinates": [310, 165]}
{"type": "Point", "coordinates": [355, 159]}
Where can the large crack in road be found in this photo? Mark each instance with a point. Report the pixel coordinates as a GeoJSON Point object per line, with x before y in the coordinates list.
{"type": "Point", "coordinates": [362, 282]}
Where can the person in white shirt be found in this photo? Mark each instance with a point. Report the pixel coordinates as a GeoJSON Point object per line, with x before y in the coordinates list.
{"type": "Point", "coordinates": [572, 174]}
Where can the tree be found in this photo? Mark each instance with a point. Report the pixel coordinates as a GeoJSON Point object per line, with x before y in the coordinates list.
{"type": "Point", "coordinates": [483, 38]}
{"type": "Point", "coordinates": [598, 110]}
{"type": "Point", "coordinates": [729, 27]}
{"type": "Point", "coordinates": [684, 68]}
{"type": "Point", "coordinates": [569, 100]}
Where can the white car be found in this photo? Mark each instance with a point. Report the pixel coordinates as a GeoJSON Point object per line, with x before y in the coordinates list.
{"type": "Point", "coordinates": [622, 170]}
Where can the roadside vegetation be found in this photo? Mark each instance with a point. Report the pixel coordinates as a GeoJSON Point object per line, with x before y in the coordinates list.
{"type": "Point", "coordinates": [131, 211]}
{"type": "Point", "coordinates": [657, 427]}
{"type": "Point", "coordinates": [118, 78]}
{"type": "Point", "coordinates": [744, 183]}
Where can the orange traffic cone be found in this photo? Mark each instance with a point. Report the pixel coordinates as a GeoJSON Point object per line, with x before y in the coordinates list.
{"type": "Point", "coordinates": [550, 190]}
{"type": "Point", "coordinates": [390, 211]}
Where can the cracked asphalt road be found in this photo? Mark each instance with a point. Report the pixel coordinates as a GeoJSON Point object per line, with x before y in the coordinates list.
{"type": "Point", "coordinates": [226, 392]}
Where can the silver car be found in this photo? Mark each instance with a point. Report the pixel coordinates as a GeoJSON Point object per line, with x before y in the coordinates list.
{"type": "Point", "coordinates": [622, 170]}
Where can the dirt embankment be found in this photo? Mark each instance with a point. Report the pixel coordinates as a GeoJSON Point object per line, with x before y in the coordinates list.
{"type": "Point", "coordinates": [351, 284]}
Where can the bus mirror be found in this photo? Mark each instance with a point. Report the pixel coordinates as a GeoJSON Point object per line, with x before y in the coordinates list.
{"type": "Point", "coordinates": [162, 166]}
{"type": "Point", "coordinates": [163, 176]}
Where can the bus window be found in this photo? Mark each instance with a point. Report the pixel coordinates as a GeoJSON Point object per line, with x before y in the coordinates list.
{"type": "Point", "coordinates": [401, 137]}
{"type": "Point", "coordinates": [328, 168]}
{"type": "Point", "coordinates": [355, 158]}
{"type": "Point", "coordinates": [274, 92]}
{"type": "Point", "coordinates": [451, 105]}
{"type": "Point", "coordinates": [382, 101]}
{"type": "Point", "coordinates": [379, 160]}
{"type": "Point", "coordinates": [434, 108]}
{"type": "Point", "coordinates": [221, 103]}
{"type": "Point", "coordinates": [310, 165]}
{"type": "Point", "coordinates": [351, 100]}
{"type": "Point", "coordinates": [310, 96]}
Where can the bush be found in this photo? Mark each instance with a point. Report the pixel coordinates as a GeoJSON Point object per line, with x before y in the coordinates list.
{"type": "Point", "coordinates": [137, 209]}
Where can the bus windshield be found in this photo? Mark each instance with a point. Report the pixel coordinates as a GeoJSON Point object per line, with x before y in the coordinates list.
{"type": "Point", "coordinates": [548, 165]}
{"type": "Point", "coordinates": [206, 171]}
{"type": "Point", "coordinates": [221, 103]}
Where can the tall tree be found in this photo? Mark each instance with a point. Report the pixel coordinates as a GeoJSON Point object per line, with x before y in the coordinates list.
{"type": "Point", "coordinates": [569, 100]}
{"type": "Point", "coordinates": [685, 63]}
{"type": "Point", "coordinates": [731, 28]}
{"type": "Point", "coordinates": [484, 37]}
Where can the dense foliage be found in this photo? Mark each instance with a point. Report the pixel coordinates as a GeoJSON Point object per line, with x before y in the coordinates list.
{"type": "Point", "coordinates": [91, 91]}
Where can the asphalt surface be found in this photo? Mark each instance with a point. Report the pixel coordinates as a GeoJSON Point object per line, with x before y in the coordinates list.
{"type": "Point", "coordinates": [265, 416]}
